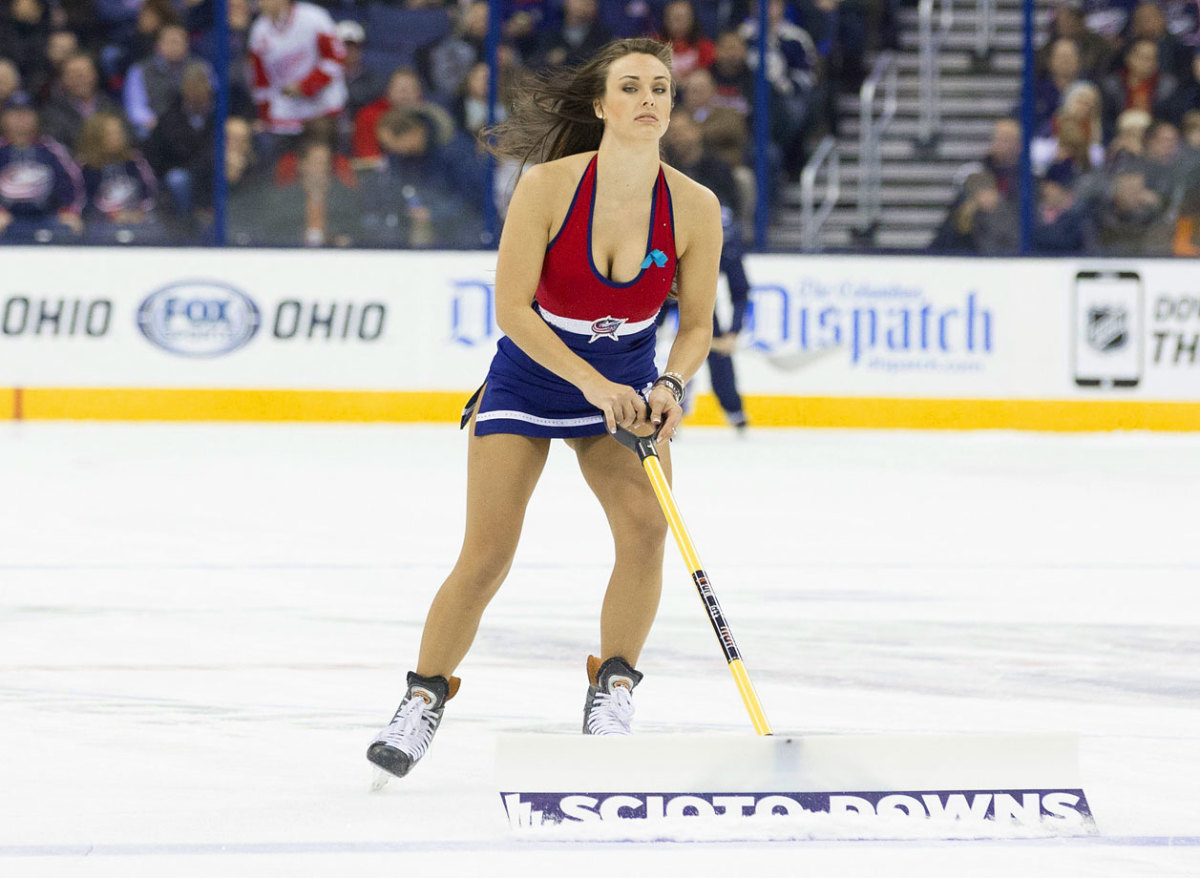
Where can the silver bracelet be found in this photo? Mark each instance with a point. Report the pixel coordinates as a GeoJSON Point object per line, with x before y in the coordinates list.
{"type": "Point", "coordinates": [674, 382]}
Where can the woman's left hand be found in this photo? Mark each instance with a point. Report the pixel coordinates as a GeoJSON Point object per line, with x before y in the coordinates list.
{"type": "Point", "coordinates": [664, 410]}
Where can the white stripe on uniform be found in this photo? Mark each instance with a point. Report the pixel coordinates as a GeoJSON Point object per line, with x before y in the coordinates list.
{"type": "Point", "coordinates": [603, 327]}
{"type": "Point", "coordinates": [534, 419]}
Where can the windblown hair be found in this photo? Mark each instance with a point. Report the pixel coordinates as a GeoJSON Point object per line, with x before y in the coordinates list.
{"type": "Point", "coordinates": [554, 114]}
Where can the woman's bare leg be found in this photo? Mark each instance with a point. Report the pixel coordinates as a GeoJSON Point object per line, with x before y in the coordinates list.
{"type": "Point", "coordinates": [639, 531]}
{"type": "Point", "coordinates": [502, 471]}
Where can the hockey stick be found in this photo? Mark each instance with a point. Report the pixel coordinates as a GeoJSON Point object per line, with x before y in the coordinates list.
{"type": "Point", "coordinates": [643, 447]}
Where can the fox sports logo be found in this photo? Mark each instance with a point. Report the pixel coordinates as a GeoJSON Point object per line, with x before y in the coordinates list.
{"type": "Point", "coordinates": [199, 318]}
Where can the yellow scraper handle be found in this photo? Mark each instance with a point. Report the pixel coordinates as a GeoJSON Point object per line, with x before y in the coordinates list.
{"type": "Point", "coordinates": [643, 446]}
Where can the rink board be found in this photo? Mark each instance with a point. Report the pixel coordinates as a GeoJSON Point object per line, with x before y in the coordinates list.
{"type": "Point", "coordinates": [828, 341]}
{"type": "Point", "coordinates": [836, 785]}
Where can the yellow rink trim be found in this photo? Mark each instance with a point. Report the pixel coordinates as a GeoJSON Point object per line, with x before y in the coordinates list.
{"type": "Point", "coordinates": [150, 404]}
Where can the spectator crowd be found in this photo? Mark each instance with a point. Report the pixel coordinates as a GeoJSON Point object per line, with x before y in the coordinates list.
{"type": "Point", "coordinates": [1115, 145]}
{"type": "Point", "coordinates": [351, 122]}
{"type": "Point", "coordinates": [356, 122]}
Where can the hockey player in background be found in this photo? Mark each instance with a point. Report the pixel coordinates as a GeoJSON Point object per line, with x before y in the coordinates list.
{"type": "Point", "coordinates": [686, 151]}
{"type": "Point", "coordinates": [299, 91]}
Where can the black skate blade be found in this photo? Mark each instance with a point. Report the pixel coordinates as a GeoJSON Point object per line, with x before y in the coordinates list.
{"type": "Point", "coordinates": [395, 762]}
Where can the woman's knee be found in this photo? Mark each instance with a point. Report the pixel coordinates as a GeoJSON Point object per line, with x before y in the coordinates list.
{"type": "Point", "coordinates": [478, 578]}
{"type": "Point", "coordinates": [642, 524]}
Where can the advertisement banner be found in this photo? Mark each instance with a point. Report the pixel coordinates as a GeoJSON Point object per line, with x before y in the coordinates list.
{"type": "Point", "coordinates": [411, 323]}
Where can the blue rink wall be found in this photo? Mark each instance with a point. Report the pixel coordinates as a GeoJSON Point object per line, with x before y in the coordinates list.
{"type": "Point", "coordinates": [829, 341]}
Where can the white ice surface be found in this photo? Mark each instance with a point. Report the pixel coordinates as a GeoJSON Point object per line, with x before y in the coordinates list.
{"type": "Point", "coordinates": [201, 628]}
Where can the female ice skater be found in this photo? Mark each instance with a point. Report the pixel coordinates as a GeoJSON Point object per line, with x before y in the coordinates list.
{"type": "Point", "coordinates": [578, 285]}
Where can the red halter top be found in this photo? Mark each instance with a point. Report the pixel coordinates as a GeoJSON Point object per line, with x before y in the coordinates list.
{"type": "Point", "coordinates": [571, 286]}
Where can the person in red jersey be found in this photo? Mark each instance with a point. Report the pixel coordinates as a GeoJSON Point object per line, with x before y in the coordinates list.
{"type": "Point", "coordinates": [299, 90]}
{"type": "Point", "coordinates": [597, 235]}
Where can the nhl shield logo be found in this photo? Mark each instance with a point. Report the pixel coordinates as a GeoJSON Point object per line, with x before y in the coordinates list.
{"type": "Point", "coordinates": [606, 327]}
{"type": "Point", "coordinates": [1107, 328]}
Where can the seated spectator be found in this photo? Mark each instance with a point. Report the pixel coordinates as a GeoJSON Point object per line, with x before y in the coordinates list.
{"type": "Point", "coordinates": [120, 189]}
{"type": "Point", "coordinates": [1133, 220]}
{"type": "Point", "coordinates": [1149, 23]}
{"type": "Point", "coordinates": [23, 31]}
{"type": "Point", "coordinates": [1002, 160]}
{"type": "Point", "coordinates": [727, 139]}
{"type": "Point", "coordinates": [1164, 162]}
{"type": "Point", "coordinates": [180, 148]}
{"type": "Point", "coordinates": [240, 17]}
{"type": "Point", "coordinates": [525, 21]}
{"type": "Point", "coordinates": [1070, 144]}
{"type": "Point", "coordinates": [1082, 101]}
{"type": "Point", "coordinates": [152, 86]}
{"type": "Point", "coordinates": [1096, 51]}
{"type": "Point", "coordinates": [10, 80]}
{"type": "Point", "coordinates": [697, 94]}
{"type": "Point", "coordinates": [1186, 96]}
{"type": "Point", "coordinates": [470, 105]}
{"type": "Point", "coordinates": [1139, 84]}
{"type": "Point", "coordinates": [690, 48]}
{"type": "Point", "coordinates": [266, 209]}
{"type": "Point", "coordinates": [403, 93]}
{"type": "Point", "coordinates": [445, 64]}
{"type": "Point", "coordinates": [1062, 223]}
{"type": "Point", "coordinates": [731, 73]}
{"type": "Point", "coordinates": [1129, 142]}
{"type": "Point", "coordinates": [575, 40]}
{"type": "Point", "coordinates": [78, 99]}
{"type": "Point", "coordinates": [41, 190]}
{"type": "Point", "coordinates": [61, 45]}
{"type": "Point", "coordinates": [1186, 241]}
{"type": "Point", "coordinates": [1190, 134]}
{"type": "Point", "coordinates": [364, 84]}
{"type": "Point", "coordinates": [792, 68]}
{"type": "Point", "coordinates": [981, 222]}
{"type": "Point", "coordinates": [152, 17]}
{"type": "Point", "coordinates": [1064, 69]}
{"type": "Point", "coordinates": [413, 200]}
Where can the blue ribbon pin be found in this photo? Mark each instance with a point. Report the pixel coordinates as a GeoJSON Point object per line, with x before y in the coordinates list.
{"type": "Point", "coordinates": [658, 257]}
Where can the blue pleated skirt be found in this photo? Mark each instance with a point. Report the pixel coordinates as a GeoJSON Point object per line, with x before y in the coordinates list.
{"type": "Point", "coordinates": [520, 396]}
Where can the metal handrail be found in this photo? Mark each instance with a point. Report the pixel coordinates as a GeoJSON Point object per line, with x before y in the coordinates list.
{"type": "Point", "coordinates": [870, 133]}
{"type": "Point", "coordinates": [985, 27]}
{"type": "Point", "coordinates": [930, 51]}
{"type": "Point", "coordinates": [813, 217]}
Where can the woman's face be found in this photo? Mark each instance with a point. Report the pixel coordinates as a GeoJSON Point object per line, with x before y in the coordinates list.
{"type": "Point", "coordinates": [404, 90]}
{"type": "Point", "coordinates": [1142, 60]}
{"type": "Point", "coordinates": [637, 99]}
{"type": "Point", "coordinates": [1064, 60]}
{"type": "Point", "coordinates": [477, 82]}
{"type": "Point", "coordinates": [677, 19]}
{"type": "Point", "coordinates": [113, 139]}
{"type": "Point", "coordinates": [1082, 104]}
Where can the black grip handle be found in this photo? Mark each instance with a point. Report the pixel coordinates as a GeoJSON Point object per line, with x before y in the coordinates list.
{"type": "Point", "coordinates": [642, 446]}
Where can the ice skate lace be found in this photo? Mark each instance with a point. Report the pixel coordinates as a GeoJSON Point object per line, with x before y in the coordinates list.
{"type": "Point", "coordinates": [612, 712]}
{"type": "Point", "coordinates": [410, 729]}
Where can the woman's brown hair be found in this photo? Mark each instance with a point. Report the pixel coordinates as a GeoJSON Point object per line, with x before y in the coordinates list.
{"type": "Point", "coordinates": [91, 149]}
{"type": "Point", "coordinates": [554, 113]}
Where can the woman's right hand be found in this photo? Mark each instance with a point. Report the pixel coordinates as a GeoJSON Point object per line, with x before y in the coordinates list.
{"type": "Point", "coordinates": [621, 404]}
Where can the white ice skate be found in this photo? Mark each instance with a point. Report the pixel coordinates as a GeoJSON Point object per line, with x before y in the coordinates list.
{"type": "Point", "coordinates": [402, 743]}
{"type": "Point", "coordinates": [609, 706]}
